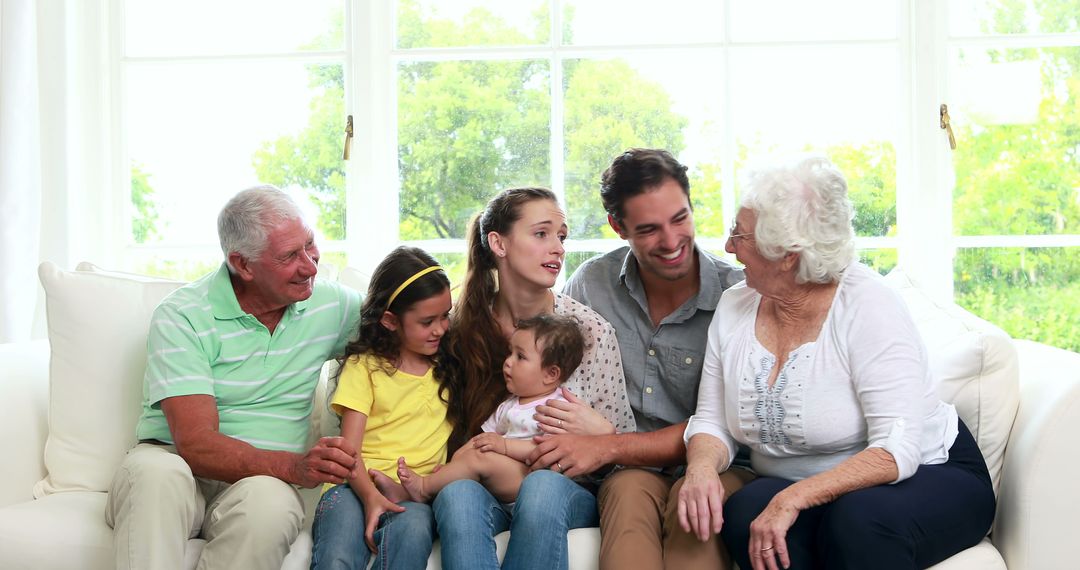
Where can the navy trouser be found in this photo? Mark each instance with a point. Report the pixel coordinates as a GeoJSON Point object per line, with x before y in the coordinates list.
{"type": "Point", "coordinates": [916, 523]}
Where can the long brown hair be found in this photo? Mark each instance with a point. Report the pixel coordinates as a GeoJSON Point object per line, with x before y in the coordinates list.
{"type": "Point", "coordinates": [375, 339]}
{"type": "Point", "coordinates": [478, 345]}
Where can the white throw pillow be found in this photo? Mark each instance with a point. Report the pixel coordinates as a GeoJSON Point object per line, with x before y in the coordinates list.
{"type": "Point", "coordinates": [975, 364]}
{"type": "Point", "coordinates": [98, 323]}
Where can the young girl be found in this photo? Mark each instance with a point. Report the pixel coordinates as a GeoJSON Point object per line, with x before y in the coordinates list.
{"type": "Point", "coordinates": [544, 351]}
{"type": "Point", "coordinates": [392, 398]}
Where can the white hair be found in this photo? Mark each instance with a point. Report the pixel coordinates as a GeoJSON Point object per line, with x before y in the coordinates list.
{"type": "Point", "coordinates": [245, 222]}
{"type": "Point", "coordinates": [802, 207]}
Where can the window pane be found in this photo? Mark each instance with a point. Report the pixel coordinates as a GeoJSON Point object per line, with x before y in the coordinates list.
{"type": "Point", "coordinates": [1017, 168]}
{"type": "Point", "coordinates": [199, 133]}
{"type": "Point", "coordinates": [466, 130]}
{"type": "Point", "coordinates": [464, 23]}
{"type": "Point", "coordinates": [794, 20]}
{"type": "Point", "coordinates": [985, 17]}
{"type": "Point", "coordinates": [607, 22]}
{"type": "Point", "coordinates": [881, 260]}
{"type": "Point", "coordinates": [1032, 293]}
{"type": "Point", "coordinates": [656, 101]}
{"type": "Point", "coordinates": [836, 101]}
{"type": "Point", "coordinates": [209, 27]}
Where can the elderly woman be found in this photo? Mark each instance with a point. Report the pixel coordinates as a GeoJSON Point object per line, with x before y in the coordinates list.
{"type": "Point", "coordinates": [816, 366]}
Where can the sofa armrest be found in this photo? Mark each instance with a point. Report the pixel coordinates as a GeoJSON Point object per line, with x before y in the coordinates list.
{"type": "Point", "coordinates": [24, 413]}
{"type": "Point", "coordinates": [1037, 508]}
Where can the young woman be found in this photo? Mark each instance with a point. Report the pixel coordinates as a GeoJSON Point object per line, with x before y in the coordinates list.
{"type": "Point", "coordinates": [515, 255]}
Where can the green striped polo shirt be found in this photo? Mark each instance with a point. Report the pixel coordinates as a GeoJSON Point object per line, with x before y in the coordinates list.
{"type": "Point", "coordinates": [202, 342]}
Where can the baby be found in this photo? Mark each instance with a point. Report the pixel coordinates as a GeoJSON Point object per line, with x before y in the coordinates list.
{"type": "Point", "coordinates": [544, 351]}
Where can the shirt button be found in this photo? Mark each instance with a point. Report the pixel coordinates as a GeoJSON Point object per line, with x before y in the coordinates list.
{"type": "Point", "coordinates": [689, 360]}
{"type": "Point", "coordinates": [648, 389]}
{"type": "Point", "coordinates": [652, 352]}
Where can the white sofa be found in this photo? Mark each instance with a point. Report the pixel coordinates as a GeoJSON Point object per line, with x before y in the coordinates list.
{"type": "Point", "coordinates": [68, 409]}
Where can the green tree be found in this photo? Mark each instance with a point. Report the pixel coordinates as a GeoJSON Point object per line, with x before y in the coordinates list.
{"type": "Point", "coordinates": [467, 129]}
{"type": "Point", "coordinates": [144, 218]}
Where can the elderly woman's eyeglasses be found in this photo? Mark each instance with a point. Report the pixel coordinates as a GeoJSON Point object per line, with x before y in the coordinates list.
{"type": "Point", "coordinates": [734, 237]}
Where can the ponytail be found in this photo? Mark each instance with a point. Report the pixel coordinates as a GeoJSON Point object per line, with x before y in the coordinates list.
{"type": "Point", "coordinates": [478, 345]}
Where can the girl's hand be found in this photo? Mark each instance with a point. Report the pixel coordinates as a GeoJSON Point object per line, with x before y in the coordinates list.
{"type": "Point", "coordinates": [701, 510]}
{"type": "Point", "coordinates": [374, 506]}
{"type": "Point", "coordinates": [488, 441]}
{"type": "Point", "coordinates": [768, 532]}
{"type": "Point", "coordinates": [572, 416]}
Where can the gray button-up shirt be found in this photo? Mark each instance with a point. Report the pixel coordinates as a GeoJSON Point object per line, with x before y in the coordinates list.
{"type": "Point", "coordinates": [662, 365]}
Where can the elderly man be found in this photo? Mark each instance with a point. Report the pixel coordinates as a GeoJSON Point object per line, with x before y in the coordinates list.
{"type": "Point", "coordinates": [233, 362]}
{"type": "Point", "coordinates": [659, 294]}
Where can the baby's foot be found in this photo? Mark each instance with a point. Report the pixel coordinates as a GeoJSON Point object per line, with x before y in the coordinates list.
{"type": "Point", "coordinates": [389, 488]}
{"type": "Point", "coordinates": [413, 483]}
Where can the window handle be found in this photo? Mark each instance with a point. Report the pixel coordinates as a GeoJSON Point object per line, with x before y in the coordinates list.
{"type": "Point", "coordinates": [946, 124]}
{"type": "Point", "coordinates": [348, 138]}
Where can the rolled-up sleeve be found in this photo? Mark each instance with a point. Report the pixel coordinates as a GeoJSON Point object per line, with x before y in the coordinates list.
{"type": "Point", "coordinates": [889, 371]}
{"type": "Point", "coordinates": [708, 418]}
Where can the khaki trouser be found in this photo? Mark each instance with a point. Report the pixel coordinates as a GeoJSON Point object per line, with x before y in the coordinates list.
{"type": "Point", "coordinates": [639, 523]}
{"type": "Point", "coordinates": [155, 505]}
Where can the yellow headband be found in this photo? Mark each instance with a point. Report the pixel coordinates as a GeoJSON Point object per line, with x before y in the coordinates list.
{"type": "Point", "coordinates": [409, 281]}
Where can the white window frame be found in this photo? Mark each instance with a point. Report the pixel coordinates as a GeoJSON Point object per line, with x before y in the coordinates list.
{"type": "Point", "coordinates": [925, 242]}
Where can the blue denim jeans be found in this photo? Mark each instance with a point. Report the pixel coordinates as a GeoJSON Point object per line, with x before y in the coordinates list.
{"type": "Point", "coordinates": [402, 540]}
{"type": "Point", "coordinates": [548, 505]}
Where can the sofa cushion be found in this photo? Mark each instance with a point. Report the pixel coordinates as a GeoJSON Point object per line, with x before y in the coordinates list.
{"type": "Point", "coordinates": [63, 530]}
{"type": "Point", "coordinates": [975, 363]}
{"type": "Point", "coordinates": [97, 325]}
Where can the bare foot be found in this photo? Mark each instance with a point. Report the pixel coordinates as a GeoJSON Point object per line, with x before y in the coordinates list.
{"type": "Point", "coordinates": [389, 488]}
{"type": "Point", "coordinates": [413, 483]}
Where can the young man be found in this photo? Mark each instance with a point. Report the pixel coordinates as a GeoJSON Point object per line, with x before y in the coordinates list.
{"type": "Point", "coordinates": [659, 293]}
{"type": "Point", "coordinates": [232, 365]}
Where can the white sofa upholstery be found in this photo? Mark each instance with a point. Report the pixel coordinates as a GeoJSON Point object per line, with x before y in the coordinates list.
{"type": "Point", "coordinates": [67, 415]}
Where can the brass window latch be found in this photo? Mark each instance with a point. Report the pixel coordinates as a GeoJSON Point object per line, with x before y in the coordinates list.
{"type": "Point", "coordinates": [348, 138]}
{"type": "Point", "coordinates": [946, 125]}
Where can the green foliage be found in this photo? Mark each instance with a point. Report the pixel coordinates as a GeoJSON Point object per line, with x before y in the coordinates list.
{"type": "Point", "coordinates": [1044, 313]}
{"type": "Point", "coordinates": [144, 218]}
{"type": "Point", "coordinates": [603, 118]}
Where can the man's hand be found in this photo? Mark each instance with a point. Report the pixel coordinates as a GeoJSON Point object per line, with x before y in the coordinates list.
{"type": "Point", "coordinates": [571, 455]}
{"type": "Point", "coordinates": [330, 461]}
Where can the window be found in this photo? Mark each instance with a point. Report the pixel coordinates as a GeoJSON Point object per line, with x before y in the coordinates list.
{"type": "Point", "coordinates": [455, 100]}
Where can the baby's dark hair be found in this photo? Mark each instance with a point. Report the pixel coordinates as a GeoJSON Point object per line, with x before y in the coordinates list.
{"type": "Point", "coordinates": [559, 339]}
{"type": "Point", "coordinates": [398, 266]}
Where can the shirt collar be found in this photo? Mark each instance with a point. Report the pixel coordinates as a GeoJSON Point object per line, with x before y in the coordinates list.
{"type": "Point", "coordinates": [223, 301]}
{"type": "Point", "coordinates": [709, 287]}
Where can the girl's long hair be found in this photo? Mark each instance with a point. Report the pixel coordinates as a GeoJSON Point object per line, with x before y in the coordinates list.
{"type": "Point", "coordinates": [478, 346]}
{"type": "Point", "coordinates": [385, 345]}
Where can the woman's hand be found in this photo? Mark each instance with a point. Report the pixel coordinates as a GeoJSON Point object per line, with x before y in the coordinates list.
{"type": "Point", "coordinates": [374, 506]}
{"type": "Point", "coordinates": [768, 544]}
{"type": "Point", "coordinates": [701, 510]}
{"type": "Point", "coordinates": [572, 416]}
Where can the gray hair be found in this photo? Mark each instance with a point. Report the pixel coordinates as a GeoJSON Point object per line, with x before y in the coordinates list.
{"type": "Point", "coordinates": [245, 222]}
{"type": "Point", "coordinates": [802, 207]}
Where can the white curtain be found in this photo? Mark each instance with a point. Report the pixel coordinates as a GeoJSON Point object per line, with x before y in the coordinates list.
{"type": "Point", "coordinates": [20, 168]}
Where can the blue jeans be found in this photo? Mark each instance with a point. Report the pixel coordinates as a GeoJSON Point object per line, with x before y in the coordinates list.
{"type": "Point", "coordinates": [402, 540]}
{"type": "Point", "coordinates": [548, 506]}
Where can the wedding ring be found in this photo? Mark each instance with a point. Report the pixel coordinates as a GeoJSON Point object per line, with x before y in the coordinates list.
{"type": "Point", "coordinates": [560, 424]}
{"type": "Point", "coordinates": [559, 465]}
{"type": "Point", "coordinates": [766, 549]}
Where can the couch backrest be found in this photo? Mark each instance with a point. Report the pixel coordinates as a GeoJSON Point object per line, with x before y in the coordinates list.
{"type": "Point", "coordinates": [976, 365]}
{"type": "Point", "coordinates": [97, 322]}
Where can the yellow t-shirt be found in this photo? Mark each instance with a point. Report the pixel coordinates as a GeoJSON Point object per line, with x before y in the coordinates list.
{"type": "Point", "coordinates": [405, 416]}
